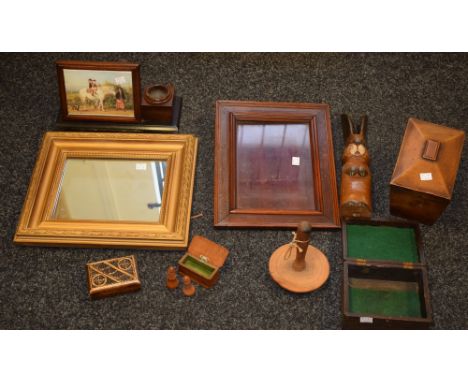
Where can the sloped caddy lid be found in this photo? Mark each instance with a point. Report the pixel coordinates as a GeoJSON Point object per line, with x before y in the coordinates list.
{"type": "Point", "coordinates": [429, 158]}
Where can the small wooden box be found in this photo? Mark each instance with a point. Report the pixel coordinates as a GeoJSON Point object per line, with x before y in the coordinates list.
{"type": "Point", "coordinates": [113, 276]}
{"type": "Point", "coordinates": [385, 277]}
{"type": "Point", "coordinates": [378, 296]}
{"type": "Point", "coordinates": [203, 261]}
{"type": "Point", "coordinates": [425, 172]}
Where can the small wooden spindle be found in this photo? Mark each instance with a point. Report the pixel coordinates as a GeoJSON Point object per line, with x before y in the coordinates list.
{"type": "Point", "coordinates": [302, 238]}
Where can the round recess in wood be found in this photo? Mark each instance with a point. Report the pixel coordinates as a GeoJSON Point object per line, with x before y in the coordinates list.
{"type": "Point", "coordinates": [311, 278]}
{"type": "Point", "coordinates": [158, 94]}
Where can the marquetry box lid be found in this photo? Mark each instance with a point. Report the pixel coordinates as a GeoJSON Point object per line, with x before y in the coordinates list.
{"type": "Point", "coordinates": [203, 260]}
{"type": "Point", "coordinates": [424, 176]}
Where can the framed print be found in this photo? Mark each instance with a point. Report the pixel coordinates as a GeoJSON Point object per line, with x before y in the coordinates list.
{"type": "Point", "coordinates": [274, 165]}
{"type": "Point", "coordinates": [99, 91]}
{"type": "Point", "coordinates": [110, 190]}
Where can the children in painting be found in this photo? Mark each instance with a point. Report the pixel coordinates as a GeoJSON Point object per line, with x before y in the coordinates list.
{"type": "Point", "coordinates": [119, 98]}
{"type": "Point", "coordinates": [92, 86]}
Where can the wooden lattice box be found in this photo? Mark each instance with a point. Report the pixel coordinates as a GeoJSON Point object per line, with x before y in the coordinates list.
{"type": "Point", "coordinates": [113, 276]}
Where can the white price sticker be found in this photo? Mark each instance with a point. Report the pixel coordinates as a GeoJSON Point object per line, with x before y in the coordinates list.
{"type": "Point", "coordinates": [425, 176]}
{"type": "Point", "coordinates": [140, 166]}
{"type": "Point", "coordinates": [366, 320]}
{"type": "Point", "coordinates": [296, 161]}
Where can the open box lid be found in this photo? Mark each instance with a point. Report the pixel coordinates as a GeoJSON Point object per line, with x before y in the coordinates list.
{"type": "Point", "coordinates": [382, 241]}
{"type": "Point", "coordinates": [200, 247]}
{"type": "Point", "coordinates": [429, 158]}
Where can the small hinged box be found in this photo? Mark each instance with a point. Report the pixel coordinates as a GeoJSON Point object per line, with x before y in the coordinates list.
{"type": "Point", "coordinates": [425, 172]}
{"type": "Point", "coordinates": [385, 283]}
{"type": "Point", "coordinates": [203, 261]}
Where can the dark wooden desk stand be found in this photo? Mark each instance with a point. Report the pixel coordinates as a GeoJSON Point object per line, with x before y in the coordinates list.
{"type": "Point", "coordinates": [306, 271]}
{"type": "Point", "coordinates": [158, 103]}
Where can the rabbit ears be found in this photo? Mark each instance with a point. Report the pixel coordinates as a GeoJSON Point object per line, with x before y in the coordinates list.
{"type": "Point", "coordinates": [349, 128]}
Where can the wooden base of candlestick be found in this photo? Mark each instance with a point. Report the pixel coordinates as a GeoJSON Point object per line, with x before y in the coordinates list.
{"type": "Point", "coordinates": [314, 275]}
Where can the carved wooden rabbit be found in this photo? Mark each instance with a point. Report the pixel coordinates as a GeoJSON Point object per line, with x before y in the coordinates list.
{"type": "Point", "coordinates": [356, 201]}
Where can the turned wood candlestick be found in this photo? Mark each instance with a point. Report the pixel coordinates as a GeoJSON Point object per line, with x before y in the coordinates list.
{"type": "Point", "coordinates": [298, 266]}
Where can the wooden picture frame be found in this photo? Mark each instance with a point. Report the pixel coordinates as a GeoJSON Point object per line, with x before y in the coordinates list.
{"type": "Point", "coordinates": [37, 225]}
{"type": "Point", "coordinates": [244, 173]}
{"type": "Point", "coordinates": [77, 91]}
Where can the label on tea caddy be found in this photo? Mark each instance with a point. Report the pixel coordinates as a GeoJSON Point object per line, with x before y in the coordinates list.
{"type": "Point", "coordinates": [425, 176]}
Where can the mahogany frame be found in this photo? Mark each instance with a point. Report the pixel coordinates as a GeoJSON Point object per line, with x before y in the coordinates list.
{"type": "Point", "coordinates": [103, 66]}
{"type": "Point", "coordinates": [229, 114]}
{"type": "Point", "coordinates": [36, 227]}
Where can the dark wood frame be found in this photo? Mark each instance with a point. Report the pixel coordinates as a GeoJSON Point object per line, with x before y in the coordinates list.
{"type": "Point", "coordinates": [231, 113]}
{"type": "Point", "coordinates": [103, 66]}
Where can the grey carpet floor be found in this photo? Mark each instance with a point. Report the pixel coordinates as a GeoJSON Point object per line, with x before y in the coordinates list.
{"type": "Point", "coordinates": [45, 288]}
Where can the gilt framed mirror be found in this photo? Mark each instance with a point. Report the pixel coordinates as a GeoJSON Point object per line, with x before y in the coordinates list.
{"type": "Point", "coordinates": [274, 165]}
{"type": "Point", "coordinates": [110, 190]}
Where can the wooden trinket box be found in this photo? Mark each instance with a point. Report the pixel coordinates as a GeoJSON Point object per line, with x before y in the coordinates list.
{"type": "Point", "coordinates": [113, 276]}
{"type": "Point", "coordinates": [425, 172]}
{"type": "Point", "coordinates": [385, 282]}
{"type": "Point", "coordinates": [203, 261]}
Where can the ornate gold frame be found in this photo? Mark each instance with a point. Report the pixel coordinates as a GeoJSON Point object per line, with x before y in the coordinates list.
{"type": "Point", "coordinates": [35, 226]}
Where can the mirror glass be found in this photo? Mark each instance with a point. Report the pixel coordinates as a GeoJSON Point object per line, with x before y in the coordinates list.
{"type": "Point", "coordinates": [111, 190]}
{"type": "Point", "coordinates": [274, 167]}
